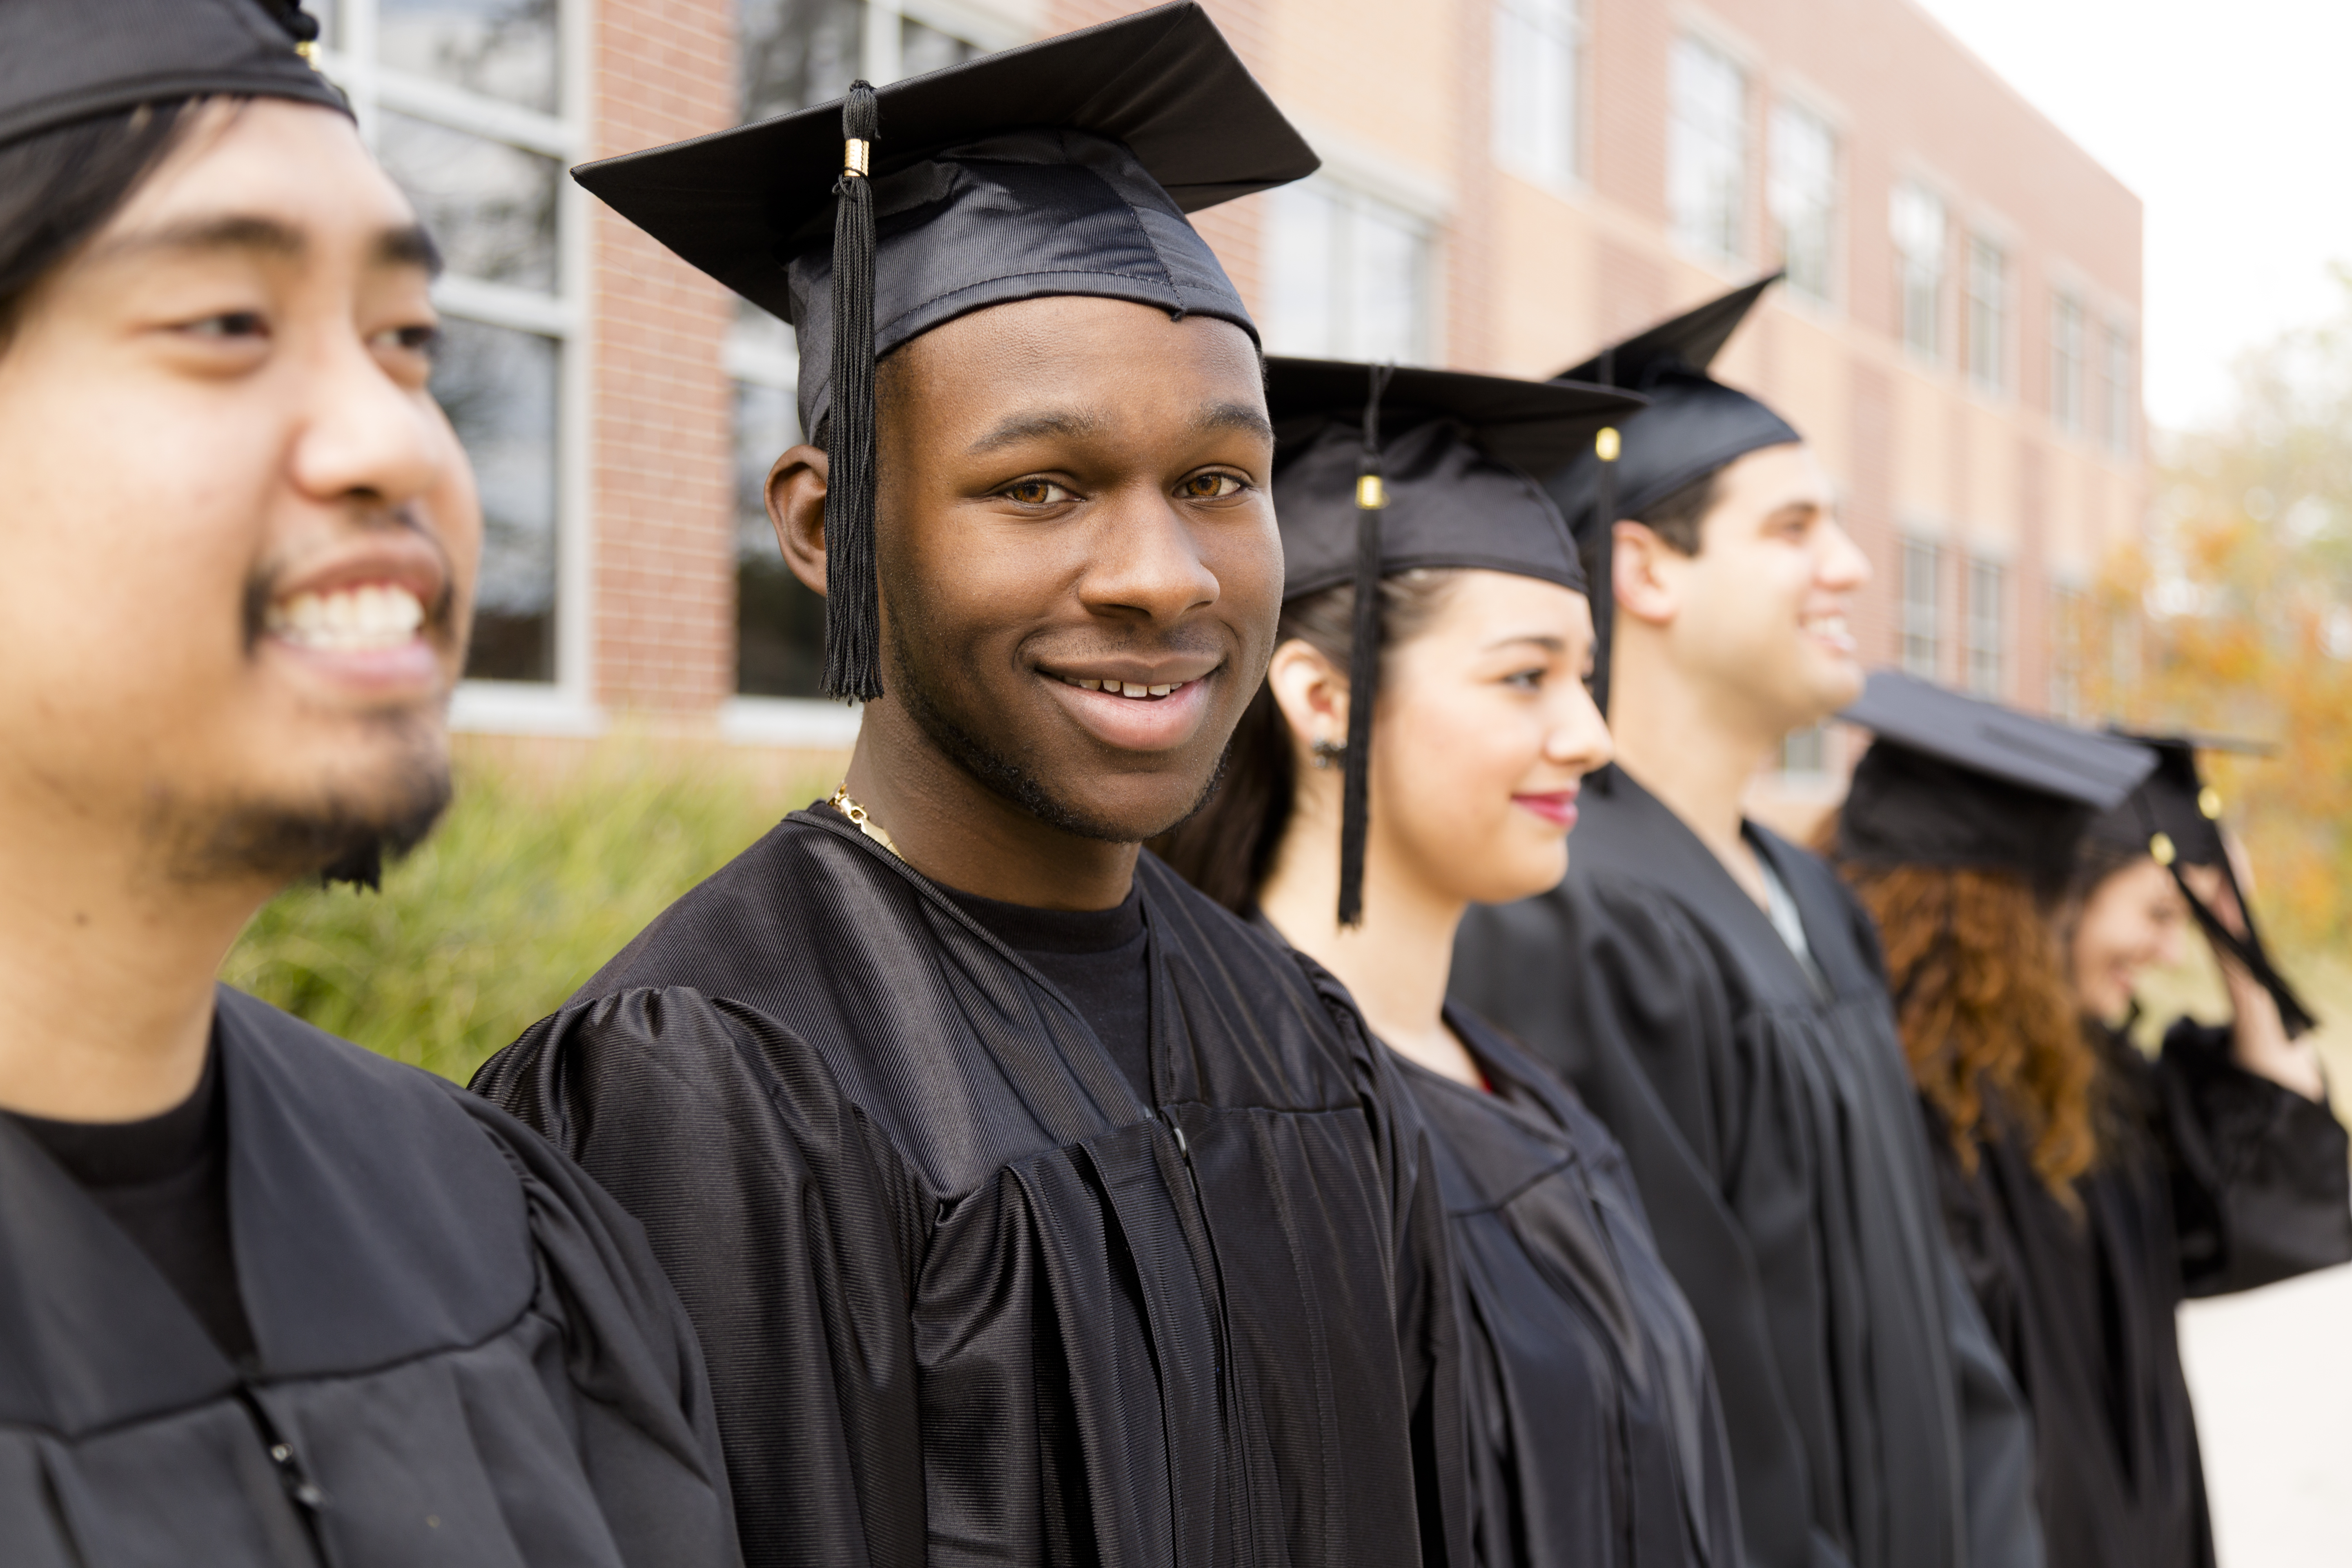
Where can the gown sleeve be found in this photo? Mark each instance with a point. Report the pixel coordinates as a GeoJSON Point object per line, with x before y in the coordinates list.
{"type": "Point", "coordinates": [630, 1368]}
{"type": "Point", "coordinates": [1635, 1015]}
{"type": "Point", "coordinates": [729, 1140]}
{"type": "Point", "coordinates": [1429, 1344]}
{"type": "Point", "coordinates": [2260, 1184]}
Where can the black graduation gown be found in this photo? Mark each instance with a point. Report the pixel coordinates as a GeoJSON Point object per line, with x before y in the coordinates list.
{"type": "Point", "coordinates": [1772, 1129]}
{"type": "Point", "coordinates": [967, 1299]}
{"type": "Point", "coordinates": [1596, 1440]}
{"type": "Point", "coordinates": [2211, 1179]}
{"type": "Point", "coordinates": [465, 1350]}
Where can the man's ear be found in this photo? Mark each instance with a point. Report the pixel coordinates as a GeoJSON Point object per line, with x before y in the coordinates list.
{"type": "Point", "coordinates": [796, 507]}
{"type": "Point", "coordinates": [1642, 574]}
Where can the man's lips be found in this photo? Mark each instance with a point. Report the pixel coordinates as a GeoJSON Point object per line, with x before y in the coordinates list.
{"type": "Point", "coordinates": [1161, 715]}
{"type": "Point", "coordinates": [1830, 627]}
{"type": "Point", "coordinates": [1558, 806]}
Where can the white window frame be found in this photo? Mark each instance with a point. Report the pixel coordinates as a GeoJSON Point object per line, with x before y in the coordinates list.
{"type": "Point", "coordinates": [1678, 129]}
{"type": "Point", "coordinates": [1920, 622]}
{"type": "Point", "coordinates": [1984, 631]}
{"type": "Point", "coordinates": [1564, 26]}
{"type": "Point", "coordinates": [2070, 365]}
{"type": "Point", "coordinates": [1342, 182]}
{"type": "Point", "coordinates": [1988, 314]}
{"type": "Point", "coordinates": [565, 705]}
{"type": "Point", "coordinates": [1921, 261]}
{"type": "Point", "coordinates": [1783, 194]}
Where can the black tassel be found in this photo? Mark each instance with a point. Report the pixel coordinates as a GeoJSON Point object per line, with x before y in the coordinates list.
{"type": "Point", "coordinates": [1363, 660]}
{"type": "Point", "coordinates": [853, 614]}
{"type": "Point", "coordinates": [2248, 951]}
{"type": "Point", "coordinates": [1600, 567]}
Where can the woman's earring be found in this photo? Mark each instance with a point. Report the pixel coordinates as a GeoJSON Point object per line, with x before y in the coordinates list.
{"type": "Point", "coordinates": [1328, 752]}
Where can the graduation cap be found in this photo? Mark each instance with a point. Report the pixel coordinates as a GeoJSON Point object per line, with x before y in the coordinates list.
{"type": "Point", "coordinates": [1693, 425]}
{"type": "Point", "coordinates": [2176, 816]}
{"type": "Point", "coordinates": [66, 60]}
{"type": "Point", "coordinates": [1380, 470]}
{"type": "Point", "coordinates": [1957, 781]}
{"type": "Point", "coordinates": [1061, 167]}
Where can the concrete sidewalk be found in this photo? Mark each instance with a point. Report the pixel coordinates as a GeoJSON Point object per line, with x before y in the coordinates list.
{"type": "Point", "coordinates": [2270, 1371]}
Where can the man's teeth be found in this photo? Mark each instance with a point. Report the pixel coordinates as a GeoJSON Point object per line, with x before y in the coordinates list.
{"type": "Point", "coordinates": [1120, 688]}
{"type": "Point", "coordinates": [348, 620]}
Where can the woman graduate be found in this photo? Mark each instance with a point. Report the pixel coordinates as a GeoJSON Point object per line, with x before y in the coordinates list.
{"type": "Point", "coordinates": [1429, 580]}
{"type": "Point", "coordinates": [2086, 1189]}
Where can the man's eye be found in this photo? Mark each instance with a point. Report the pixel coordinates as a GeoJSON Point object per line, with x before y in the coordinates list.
{"type": "Point", "coordinates": [1037, 493]}
{"type": "Point", "coordinates": [1209, 486]}
{"type": "Point", "coordinates": [229, 325]}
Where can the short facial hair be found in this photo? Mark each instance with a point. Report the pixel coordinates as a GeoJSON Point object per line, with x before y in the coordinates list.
{"type": "Point", "coordinates": [337, 836]}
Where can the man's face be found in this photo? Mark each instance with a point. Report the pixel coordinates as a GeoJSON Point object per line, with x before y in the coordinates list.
{"type": "Point", "coordinates": [1762, 607]}
{"type": "Point", "coordinates": [1080, 566]}
{"type": "Point", "coordinates": [237, 538]}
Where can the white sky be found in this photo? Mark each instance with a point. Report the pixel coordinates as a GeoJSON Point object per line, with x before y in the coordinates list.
{"type": "Point", "coordinates": [2231, 120]}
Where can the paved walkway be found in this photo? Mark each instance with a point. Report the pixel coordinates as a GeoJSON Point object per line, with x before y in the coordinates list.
{"type": "Point", "coordinates": [2272, 1374]}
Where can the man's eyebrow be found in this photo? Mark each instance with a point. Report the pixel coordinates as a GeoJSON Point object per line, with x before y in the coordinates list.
{"type": "Point", "coordinates": [1029, 426]}
{"type": "Point", "coordinates": [234, 231]}
{"type": "Point", "coordinates": [1232, 416]}
{"type": "Point", "coordinates": [411, 245]}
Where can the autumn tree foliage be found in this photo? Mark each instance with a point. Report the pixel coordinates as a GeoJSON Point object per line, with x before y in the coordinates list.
{"type": "Point", "coordinates": [2235, 617]}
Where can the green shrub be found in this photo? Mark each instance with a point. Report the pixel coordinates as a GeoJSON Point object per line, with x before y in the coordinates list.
{"type": "Point", "coordinates": [529, 885]}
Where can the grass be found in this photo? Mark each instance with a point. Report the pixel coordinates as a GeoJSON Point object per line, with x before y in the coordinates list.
{"type": "Point", "coordinates": [544, 868]}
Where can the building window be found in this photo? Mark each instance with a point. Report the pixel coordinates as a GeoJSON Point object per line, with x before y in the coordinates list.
{"type": "Point", "coordinates": [1539, 87]}
{"type": "Point", "coordinates": [1919, 246]}
{"type": "Point", "coordinates": [1988, 314]}
{"type": "Point", "coordinates": [1351, 276]}
{"type": "Point", "coordinates": [2117, 424]}
{"type": "Point", "coordinates": [1706, 151]}
{"type": "Point", "coordinates": [2066, 362]}
{"type": "Point", "coordinates": [2068, 616]}
{"type": "Point", "coordinates": [1805, 753]}
{"type": "Point", "coordinates": [793, 54]}
{"type": "Point", "coordinates": [1988, 628]}
{"type": "Point", "coordinates": [466, 106]}
{"type": "Point", "coordinates": [1922, 602]}
{"type": "Point", "coordinates": [1805, 200]}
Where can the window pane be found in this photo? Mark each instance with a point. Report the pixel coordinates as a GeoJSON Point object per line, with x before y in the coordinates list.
{"type": "Point", "coordinates": [505, 49]}
{"type": "Point", "coordinates": [923, 48]}
{"type": "Point", "coordinates": [491, 208]}
{"type": "Point", "coordinates": [1805, 753]}
{"type": "Point", "coordinates": [2066, 363]}
{"type": "Point", "coordinates": [797, 52]}
{"type": "Point", "coordinates": [1919, 226]}
{"type": "Point", "coordinates": [1988, 314]}
{"type": "Point", "coordinates": [1706, 152]}
{"type": "Point", "coordinates": [1921, 601]}
{"type": "Point", "coordinates": [1536, 80]}
{"type": "Point", "coordinates": [1804, 199]}
{"type": "Point", "coordinates": [778, 623]}
{"type": "Point", "coordinates": [1387, 291]}
{"type": "Point", "coordinates": [1305, 261]}
{"type": "Point", "coordinates": [1986, 628]}
{"type": "Point", "coordinates": [2119, 391]}
{"type": "Point", "coordinates": [500, 389]}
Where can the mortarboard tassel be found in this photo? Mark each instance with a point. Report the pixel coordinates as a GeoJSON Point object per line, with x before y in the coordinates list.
{"type": "Point", "coordinates": [2248, 950]}
{"type": "Point", "coordinates": [1600, 569]}
{"type": "Point", "coordinates": [853, 617]}
{"type": "Point", "coordinates": [1363, 660]}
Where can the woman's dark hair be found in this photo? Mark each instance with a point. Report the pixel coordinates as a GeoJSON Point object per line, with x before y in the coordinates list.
{"type": "Point", "coordinates": [59, 187]}
{"type": "Point", "coordinates": [1983, 1007]}
{"type": "Point", "coordinates": [1227, 847]}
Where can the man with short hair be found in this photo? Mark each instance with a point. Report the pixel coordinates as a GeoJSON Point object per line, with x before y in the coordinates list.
{"type": "Point", "coordinates": [1031, 1208]}
{"type": "Point", "coordinates": [1718, 998]}
{"type": "Point", "coordinates": [264, 1297]}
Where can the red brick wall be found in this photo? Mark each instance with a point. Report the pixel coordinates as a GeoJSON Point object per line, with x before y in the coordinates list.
{"type": "Point", "coordinates": [661, 481]}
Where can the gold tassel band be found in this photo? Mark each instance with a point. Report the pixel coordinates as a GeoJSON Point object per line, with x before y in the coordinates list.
{"type": "Point", "coordinates": [1606, 444]}
{"type": "Point", "coordinates": [856, 157]}
{"type": "Point", "coordinates": [1371, 495]}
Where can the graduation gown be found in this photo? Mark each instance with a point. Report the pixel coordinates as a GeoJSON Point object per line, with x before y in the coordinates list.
{"type": "Point", "coordinates": [465, 1355]}
{"type": "Point", "coordinates": [2211, 1179]}
{"type": "Point", "coordinates": [968, 1298]}
{"type": "Point", "coordinates": [1596, 1440]}
{"type": "Point", "coordinates": [1769, 1117]}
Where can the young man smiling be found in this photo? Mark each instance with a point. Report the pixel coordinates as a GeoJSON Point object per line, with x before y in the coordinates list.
{"type": "Point", "coordinates": [1033, 1209]}
{"type": "Point", "coordinates": [264, 1297]}
{"type": "Point", "coordinates": [1718, 999]}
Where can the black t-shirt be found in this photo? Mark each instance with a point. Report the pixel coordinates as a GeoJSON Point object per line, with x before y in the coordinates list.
{"type": "Point", "coordinates": [1095, 957]}
{"type": "Point", "coordinates": [165, 1181]}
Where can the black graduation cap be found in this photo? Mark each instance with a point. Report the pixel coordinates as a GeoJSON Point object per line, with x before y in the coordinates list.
{"type": "Point", "coordinates": [1380, 470]}
{"type": "Point", "coordinates": [1959, 781]}
{"type": "Point", "coordinates": [1693, 425]}
{"type": "Point", "coordinates": [64, 61]}
{"type": "Point", "coordinates": [1061, 167]}
{"type": "Point", "coordinates": [2176, 816]}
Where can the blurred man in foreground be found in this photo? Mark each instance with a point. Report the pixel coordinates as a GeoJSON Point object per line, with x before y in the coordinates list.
{"type": "Point", "coordinates": [1716, 997]}
{"type": "Point", "coordinates": [264, 1297]}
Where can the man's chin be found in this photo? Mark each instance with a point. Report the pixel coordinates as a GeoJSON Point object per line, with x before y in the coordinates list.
{"type": "Point", "coordinates": [341, 830]}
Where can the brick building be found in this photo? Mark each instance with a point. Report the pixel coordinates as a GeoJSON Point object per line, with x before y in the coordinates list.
{"type": "Point", "coordinates": [1506, 183]}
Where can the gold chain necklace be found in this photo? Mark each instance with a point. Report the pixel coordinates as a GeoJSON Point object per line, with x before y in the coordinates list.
{"type": "Point", "coordinates": [856, 814]}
